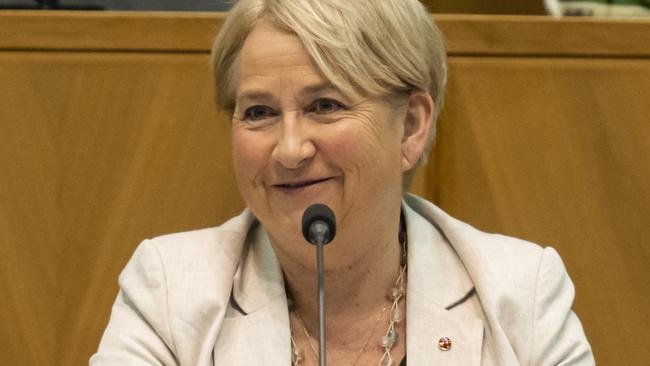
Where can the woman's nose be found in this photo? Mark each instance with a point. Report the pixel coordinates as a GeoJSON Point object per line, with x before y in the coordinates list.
{"type": "Point", "coordinates": [294, 147]}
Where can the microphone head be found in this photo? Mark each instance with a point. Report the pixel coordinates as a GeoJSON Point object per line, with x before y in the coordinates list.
{"type": "Point", "coordinates": [318, 224]}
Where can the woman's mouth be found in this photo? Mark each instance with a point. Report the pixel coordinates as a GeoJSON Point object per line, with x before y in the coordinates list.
{"type": "Point", "coordinates": [297, 185]}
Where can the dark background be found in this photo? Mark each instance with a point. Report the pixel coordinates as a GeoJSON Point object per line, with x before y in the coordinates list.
{"type": "Point", "coordinates": [435, 6]}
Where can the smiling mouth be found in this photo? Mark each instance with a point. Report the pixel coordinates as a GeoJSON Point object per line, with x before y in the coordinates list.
{"type": "Point", "coordinates": [300, 184]}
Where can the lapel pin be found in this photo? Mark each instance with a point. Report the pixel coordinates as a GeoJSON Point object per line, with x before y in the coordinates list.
{"type": "Point", "coordinates": [444, 343]}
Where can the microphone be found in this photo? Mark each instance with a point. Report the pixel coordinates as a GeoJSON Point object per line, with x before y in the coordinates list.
{"type": "Point", "coordinates": [319, 228]}
{"type": "Point", "coordinates": [318, 224]}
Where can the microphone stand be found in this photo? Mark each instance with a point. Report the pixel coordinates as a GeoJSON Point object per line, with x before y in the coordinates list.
{"type": "Point", "coordinates": [322, 361]}
{"type": "Point", "coordinates": [319, 228]}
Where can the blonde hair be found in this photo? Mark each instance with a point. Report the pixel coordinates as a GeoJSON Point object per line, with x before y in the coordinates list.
{"type": "Point", "coordinates": [369, 47]}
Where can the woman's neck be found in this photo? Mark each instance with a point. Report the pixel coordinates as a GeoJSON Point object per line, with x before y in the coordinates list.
{"type": "Point", "coordinates": [356, 290]}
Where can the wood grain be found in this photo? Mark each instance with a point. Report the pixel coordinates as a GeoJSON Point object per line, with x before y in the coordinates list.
{"type": "Point", "coordinates": [466, 34]}
{"type": "Point", "coordinates": [103, 151]}
{"type": "Point", "coordinates": [30, 237]}
{"type": "Point", "coordinates": [558, 151]}
{"type": "Point", "coordinates": [109, 30]}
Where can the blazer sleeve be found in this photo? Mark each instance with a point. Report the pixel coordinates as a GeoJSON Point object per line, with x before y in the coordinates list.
{"type": "Point", "coordinates": [138, 331]}
{"type": "Point", "coordinates": [558, 337]}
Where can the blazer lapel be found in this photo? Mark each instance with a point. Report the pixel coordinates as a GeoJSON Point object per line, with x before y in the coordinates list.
{"type": "Point", "coordinates": [437, 282]}
{"type": "Point", "coordinates": [429, 325]}
{"type": "Point", "coordinates": [260, 338]}
{"type": "Point", "coordinates": [465, 242]}
{"type": "Point", "coordinates": [261, 335]}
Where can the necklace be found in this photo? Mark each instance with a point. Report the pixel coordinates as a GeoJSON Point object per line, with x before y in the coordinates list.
{"type": "Point", "coordinates": [397, 293]}
{"type": "Point", "coordinates": [300, 356]}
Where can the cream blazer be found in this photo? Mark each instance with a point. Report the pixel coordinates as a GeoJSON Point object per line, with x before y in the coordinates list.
{"type": "Point", "coordinates": [216, 297]}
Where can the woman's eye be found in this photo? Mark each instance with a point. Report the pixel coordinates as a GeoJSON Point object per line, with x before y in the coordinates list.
{"type": "Point", "coordinates": [324, 106]}
{"type": "Point", "coordinates": [257, 113]}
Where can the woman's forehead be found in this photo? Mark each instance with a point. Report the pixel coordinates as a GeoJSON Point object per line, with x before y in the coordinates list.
{"type": "Point", "coordinates": [268, 43]}
{"type": "Point", "coordinates": [272, 57]}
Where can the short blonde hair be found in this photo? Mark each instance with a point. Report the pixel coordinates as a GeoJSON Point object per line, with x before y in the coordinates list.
{"type": "Point", "coordinates": [369, 47]}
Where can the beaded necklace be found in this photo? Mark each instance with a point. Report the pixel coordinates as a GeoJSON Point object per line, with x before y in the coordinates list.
{"type": "Point", "coordinates": [397, 293]}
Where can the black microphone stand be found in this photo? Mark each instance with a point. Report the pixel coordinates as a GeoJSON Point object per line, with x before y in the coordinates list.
{"type": "Point", "coordinates": [321, 303]}
{"type": "Point", "coordinates": [319, 228]}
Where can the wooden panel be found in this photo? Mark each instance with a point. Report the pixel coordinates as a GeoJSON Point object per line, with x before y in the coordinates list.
{"type": "Point", "coordinates": [105, 150]}
{"type": "Point", "coordinates": [482, 35]}
{"type": "Point", "coordinates": [30, 238]}
{"type": "Point", "coordinates": [466, 34]}
{"type": "Point", "coordinates": [160, 163]}
{"type": "Point", "coordinates": [110, 30]}
{"type": "Point", "coordinates": [558, 151]}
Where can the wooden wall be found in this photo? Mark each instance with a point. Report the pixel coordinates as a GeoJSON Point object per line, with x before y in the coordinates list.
{"type": "Point", "coordinates": [108, 135]}
{"type": "Point", "coordinates": [546, 136]}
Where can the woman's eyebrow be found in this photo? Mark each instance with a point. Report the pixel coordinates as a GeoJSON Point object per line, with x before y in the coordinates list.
{"type": "Point", "coordinates": [254, 94]}
{"type": "Point", "coordinates": [309, 90]}
{"type": "Point", "coordinates": [318, 88]}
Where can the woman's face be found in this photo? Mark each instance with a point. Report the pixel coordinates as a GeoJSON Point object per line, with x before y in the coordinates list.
{"type": "Point", "coordinates": [297, 141]}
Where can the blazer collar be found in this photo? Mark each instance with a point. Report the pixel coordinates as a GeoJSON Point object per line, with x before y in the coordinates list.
{"type": "Point", "coordinates": [437, 282]}
{"type": "Point", "coordinates": [258, 280]}
{"type": "Point", "coordinates": [435, 272]}
{"type": "Point", "coordinates": [260, 335]}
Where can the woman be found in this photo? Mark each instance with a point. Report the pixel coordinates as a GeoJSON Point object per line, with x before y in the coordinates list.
{"type": "Point", "coordinates": [334, 102]}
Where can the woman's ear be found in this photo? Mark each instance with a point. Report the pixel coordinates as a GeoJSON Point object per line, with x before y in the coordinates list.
{"type": "Point", "coordinates": [418, 123]}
